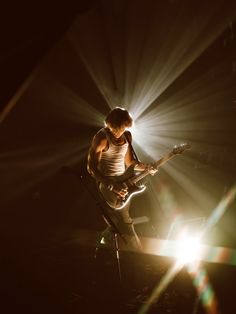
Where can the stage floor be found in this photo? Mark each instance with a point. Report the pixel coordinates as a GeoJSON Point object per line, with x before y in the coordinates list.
{"type": "Point", "coordinates": [57, 272]}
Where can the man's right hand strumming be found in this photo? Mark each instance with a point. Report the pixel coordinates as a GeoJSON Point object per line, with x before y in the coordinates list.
{"type": "Point", "coordinates": [119, 188]}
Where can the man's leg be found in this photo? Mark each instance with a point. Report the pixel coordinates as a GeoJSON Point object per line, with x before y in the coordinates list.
{"type": "Point", "coordinates": [127, 227]}
{"type": "Point", "coordinates": [120, 222]}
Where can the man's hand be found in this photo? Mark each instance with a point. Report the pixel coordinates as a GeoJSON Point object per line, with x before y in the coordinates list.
{"type": "Point", "coordinates": [152, 170]}
{"type": "Point", "coordinates": [143, 167]}
{"type": "Point", "coordinates": [119, 188]}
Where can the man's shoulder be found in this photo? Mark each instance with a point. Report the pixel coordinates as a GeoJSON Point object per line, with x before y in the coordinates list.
{"type": "Point", "coordinates": [101, 133]}
{"type": "Point", "coordinates": [100, 136]}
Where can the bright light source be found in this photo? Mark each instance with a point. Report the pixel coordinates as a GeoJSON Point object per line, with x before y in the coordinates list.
{"type": "Point", "coordinates": [102, 241]}
{"type": "Point", "coordinates": [188, 248]}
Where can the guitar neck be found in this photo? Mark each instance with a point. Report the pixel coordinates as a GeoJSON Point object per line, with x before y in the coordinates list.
{"type": "Point", "coordinates": [163, 160]}
{"type": "Point", "coordinates": [156, 165]}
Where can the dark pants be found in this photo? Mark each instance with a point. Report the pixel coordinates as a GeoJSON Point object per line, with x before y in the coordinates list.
{"type": "Point", "coordinates": [120, 221]}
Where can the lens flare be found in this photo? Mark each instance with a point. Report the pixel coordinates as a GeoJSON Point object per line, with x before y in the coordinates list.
{"type": "Point", "coordinates": [188, 248]}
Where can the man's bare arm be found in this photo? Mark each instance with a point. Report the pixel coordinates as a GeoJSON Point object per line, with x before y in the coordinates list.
{"type": "Point", "coordinates": [99, 143]}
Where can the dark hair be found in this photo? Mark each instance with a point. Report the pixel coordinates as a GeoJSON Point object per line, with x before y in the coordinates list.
{"type": "Point", "coordinates": [119, 117]}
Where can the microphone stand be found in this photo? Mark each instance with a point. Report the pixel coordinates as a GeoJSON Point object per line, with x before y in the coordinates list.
{"type": "Point", "coordinates": [116, 231]}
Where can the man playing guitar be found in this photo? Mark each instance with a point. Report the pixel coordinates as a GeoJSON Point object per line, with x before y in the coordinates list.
{"type": "Point", "coordinates": [112, 163]}
{"type": "Point", "coordinates": [109, 156]}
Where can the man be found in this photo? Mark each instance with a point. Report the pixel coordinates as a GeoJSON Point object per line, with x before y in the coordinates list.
{"type": "Point", "coordinates": [109, 156]}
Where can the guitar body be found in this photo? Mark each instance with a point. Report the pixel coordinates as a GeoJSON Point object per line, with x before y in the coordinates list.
{"type": "Point", "coordinates": [114, 200]}
{"type": "Point", "coordinates": [131, 180]}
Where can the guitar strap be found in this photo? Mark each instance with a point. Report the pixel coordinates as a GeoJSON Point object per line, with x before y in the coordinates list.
{"type": "Point", "coordinates": [132, 149]}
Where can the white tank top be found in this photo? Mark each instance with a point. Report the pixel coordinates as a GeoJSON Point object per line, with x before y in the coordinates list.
{"type": "Point", "coordinates": [112, 161]}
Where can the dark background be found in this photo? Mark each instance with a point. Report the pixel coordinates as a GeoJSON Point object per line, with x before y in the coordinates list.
{"type": "Point", "coordinates": [51, 107]}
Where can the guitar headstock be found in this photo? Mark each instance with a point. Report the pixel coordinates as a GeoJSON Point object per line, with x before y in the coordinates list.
{"type": "Point", "coordinates": [180, 148]}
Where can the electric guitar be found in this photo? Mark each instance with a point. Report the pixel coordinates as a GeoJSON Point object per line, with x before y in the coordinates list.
{"type": "Point", "coordinates": [130, 180]}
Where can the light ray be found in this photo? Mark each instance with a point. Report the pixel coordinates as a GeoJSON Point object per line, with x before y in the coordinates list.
{"type": "Point", "coordinates": [178, 58]}
{"type": "Point", "coordinates": [206, 253]}
{"type": "Point", "coordinates": [90, 52]}
{"type": "Point", "coordinates": [220, 209]}
{"type": "Point", "coordinates": [169, 276]}
{"type": "Point", "coordinates": [25, 168]}
{"type": "Point", "coordinates": [66, 104]}
{"type": "Point", "coordinates": [142, 67]}
{"type": "Point", "coordinates": [189, 118]}
{"type": "Point", "coordinates": [204, 289]}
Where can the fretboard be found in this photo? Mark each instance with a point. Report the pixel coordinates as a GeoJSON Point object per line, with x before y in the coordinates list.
{"type": "Point", "coordinates": [156, 165]}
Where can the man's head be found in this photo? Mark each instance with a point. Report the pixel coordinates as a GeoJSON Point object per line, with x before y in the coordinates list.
{"type": "Point", "coordinates": [118, 120]}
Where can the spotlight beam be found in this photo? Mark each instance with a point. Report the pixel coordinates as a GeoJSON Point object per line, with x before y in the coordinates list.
{"type": "Point", "coordinates": [169, 276]}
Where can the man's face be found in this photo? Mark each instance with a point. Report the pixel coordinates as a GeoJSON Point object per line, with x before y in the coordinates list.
{"type": "Point", "coordinates": [117, 132]}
